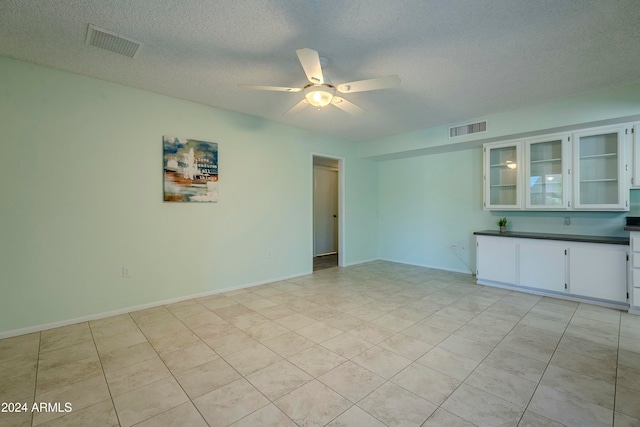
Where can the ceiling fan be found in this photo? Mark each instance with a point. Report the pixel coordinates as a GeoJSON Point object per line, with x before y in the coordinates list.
{"type": "Point", "coordinates": [320, 92]}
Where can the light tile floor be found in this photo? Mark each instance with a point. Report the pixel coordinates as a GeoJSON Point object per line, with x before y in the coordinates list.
{"type": "Point", "coordinates": [370, 345]}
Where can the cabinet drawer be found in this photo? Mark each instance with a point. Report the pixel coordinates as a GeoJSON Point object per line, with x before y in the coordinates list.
{"type": "Point", "coordinates": [635, 260]}
{"type": "Point", "coordinates": [635, 243]}
{"type": "Point", "coordinates": [635, 277]}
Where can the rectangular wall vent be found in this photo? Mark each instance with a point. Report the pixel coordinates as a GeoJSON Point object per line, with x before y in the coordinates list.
{"type": "Point", "coordinates": [467, 129]}
{"type": "Point", "coordinates": [105, 39]}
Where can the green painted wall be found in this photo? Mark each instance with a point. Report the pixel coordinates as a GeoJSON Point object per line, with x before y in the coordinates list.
{"type": "Point", "coordinates": [425, 208]}
{"type": "Point", "coordinates": [601, 105]}
{"type": "Point", "coordinates": [429, 203]}
{"type": "Point", "coordinates": [82, 197]}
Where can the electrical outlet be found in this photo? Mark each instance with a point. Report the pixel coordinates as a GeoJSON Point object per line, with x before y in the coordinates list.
{"type": "Point", "coordinates": [269, 253]}
{"type": "Point", "coordinates": [126, 272]}
{"type": "Point", "coordinates": [459, 246]}
{"type": "Point", "coordinates": [567, 222]}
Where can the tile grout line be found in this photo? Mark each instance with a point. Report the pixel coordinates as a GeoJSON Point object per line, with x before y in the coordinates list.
{"type": "Point", "coordinates": [379, 296]}
{"type": "Point", "coordinates": [569, 351]}
{"type": "Point", "coordinates": [548, 364]}
{"type": "Point", "coordinates": [219, 355]}
{"type": "Point", "coordinates": [225, 360]}
{"type": "Point", "coordinates": [522, 317]}
{"type": "Point", "coordinates": [615, 380]}
{"type": "Point", "coordinates": [415, 361]}
{"type": "Point", "coordinates": [494, 347]}
{"type": "Point", "coordinates": [35, 384]}
{"type": "Point", "coordinates": [169, 370]}
{"type": "Point", "coordinates": [232, 367]}
{"type": "Point", "coordinates": [272, 402]}
{"type": "Point", "coordinates": [104, 374]}
{"type": "Point", "coordinates": [316, 378]}
{"type": "Point", "coordinates": [438, 406]}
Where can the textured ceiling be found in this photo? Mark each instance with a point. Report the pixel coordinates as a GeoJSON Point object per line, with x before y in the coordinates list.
{"type": "Point", "coordinates": [458, 59]}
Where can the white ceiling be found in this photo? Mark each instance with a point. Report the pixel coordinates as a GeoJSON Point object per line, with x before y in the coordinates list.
{"type": "Point", "coordinates": [458, 59]}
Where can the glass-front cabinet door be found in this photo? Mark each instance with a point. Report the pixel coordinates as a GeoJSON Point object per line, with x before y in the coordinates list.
{"type": "Point", "coordinates": [502, 179]}
{"type": "Point", "coordinates": [546, 172]}
{"type": "Point", "coordinates": [635, 149]}
{"type": "Point", "coordinates": [599, 169]}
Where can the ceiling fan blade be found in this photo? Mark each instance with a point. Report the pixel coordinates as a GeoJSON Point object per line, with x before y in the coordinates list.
{"type": "Point", "coordinates": [347, 106]}
{"type": "Point", "coordinates": [310, 61]}
{"type": "Point", "coordinates": [385, 82]}
{"type": "Point", "coordinates": [296, 108]}
{"type": "Point", "coordinates": [271, 88]}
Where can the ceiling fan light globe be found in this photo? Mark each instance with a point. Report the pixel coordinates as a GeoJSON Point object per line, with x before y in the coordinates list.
{"type": "Point", "coordinates": [319, 96]}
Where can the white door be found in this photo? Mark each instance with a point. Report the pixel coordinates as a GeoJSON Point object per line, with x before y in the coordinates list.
{"type": "Point", "coordinates": [325, 210]}
{"type": "Point", "coordinates": [598, 271]}
{"type": "Point", "coordinates": [542, 265]}
{"type": "Point", "coordinates": [496, 259]}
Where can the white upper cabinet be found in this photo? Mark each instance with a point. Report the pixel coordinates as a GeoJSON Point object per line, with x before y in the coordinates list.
{"type": "Point", "coordinates": [583, 170]}
{"type": "Point", "coordinates": [635, 181]}
{"type": "Point", "coordinates": [599, 178]}
{"type": "Point", "coordinates": [547, 185]}
{"type": "Point", "coordinates": [502, 176]}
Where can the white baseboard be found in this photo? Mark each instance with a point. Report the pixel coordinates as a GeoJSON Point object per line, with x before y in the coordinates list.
{"type": "Point", "coordinates": [435, 267]}
{"type": "Point", "coordinates": [349, 264]}
{"type": "Point", "coordinates": [575, 298]}
{"type": "Point", "coordinates": [45, 326]}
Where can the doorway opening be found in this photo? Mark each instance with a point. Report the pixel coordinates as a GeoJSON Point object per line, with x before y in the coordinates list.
{"type": "Point", "coordinates": [327, 212]}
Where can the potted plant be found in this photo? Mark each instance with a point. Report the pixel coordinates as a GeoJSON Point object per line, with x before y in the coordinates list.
{"type": "Point", "coordinates": [502, 223]}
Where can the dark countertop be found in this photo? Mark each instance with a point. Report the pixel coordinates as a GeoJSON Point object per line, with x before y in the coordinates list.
{"type": "Point", "coordinates": [632, 228]}
{"type": "Point", "coordinates": [610, 240]}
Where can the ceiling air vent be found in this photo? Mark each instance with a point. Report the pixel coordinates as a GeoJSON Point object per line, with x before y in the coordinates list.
{"type": "Point", "coordinates": [467, 129]}
{"type": "Point", "coordinates": [105, 39]}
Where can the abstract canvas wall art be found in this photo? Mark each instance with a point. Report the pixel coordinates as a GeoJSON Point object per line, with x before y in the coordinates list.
{"type": "Point", "coordinates": [190, 170]}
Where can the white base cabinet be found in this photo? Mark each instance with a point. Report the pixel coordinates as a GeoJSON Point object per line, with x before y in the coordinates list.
{"type": "Point", "coordinates": [590, 271]}
{"type": "Point", "coordinates": [497, 260]}
{"type": "Point", "coordinates": [542, 265]}
{"type": "Point", "coordinates": [634, 287]}
{"type": "Point", "coordinates": [598, 271]}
